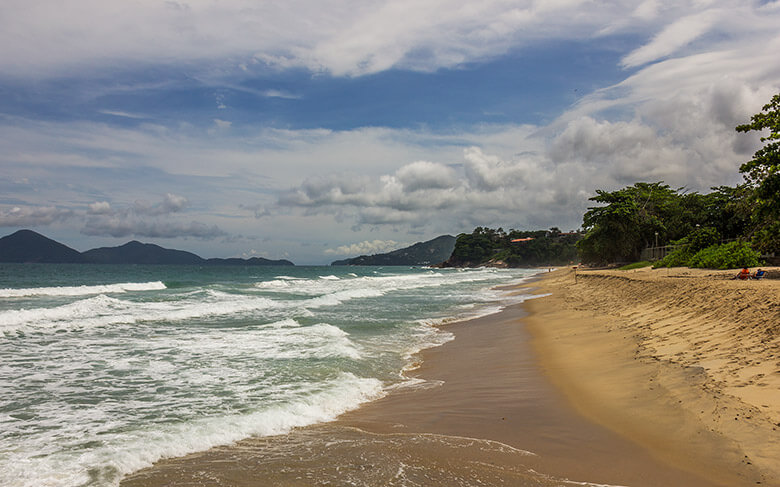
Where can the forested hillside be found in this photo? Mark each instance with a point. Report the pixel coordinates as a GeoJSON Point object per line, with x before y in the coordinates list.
{"type": "Point", "coordinates": [486, 246]}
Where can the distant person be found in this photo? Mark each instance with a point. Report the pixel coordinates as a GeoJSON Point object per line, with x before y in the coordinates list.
{"type": "Point", "coordinates": [743, 274]}
{"type": "Point", "coordinates": [760, 274]}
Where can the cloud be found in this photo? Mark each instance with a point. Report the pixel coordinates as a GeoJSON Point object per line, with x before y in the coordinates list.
{"type": "Point", "coordinates": [220, 124]}
{"type": "Point", "coordinates": [120, 227]}
{"type": "Point", "coordinates": [418, 194]}
{"type": "Point", "coordinates": [672, 38]}
{"type": "Point", "coordinates": [342, 37]}
{"type": "Point", "coordinates": [171, 203]}
{"type": "Point", "coordinates": [123, 114]}
{"type": "Point", "coordinates": [32, 216]}
{"type": "Point", "coordinates": [146, 219]}
{"type": "Point", "coordinates": [142, 219]}
{"type": "Point", "coordinates": [422, 175]}
{"type": "Point", "coordinates": [99, 208]}
{"type": "Point", "coordinates": [365, 248]}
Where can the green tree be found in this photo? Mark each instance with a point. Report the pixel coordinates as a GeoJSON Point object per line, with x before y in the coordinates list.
{"type": "Point", "coordinates": [728, 210]}
{"type": "Point", "coordinates": [629, 221]}
{"type": "Point", "coordinates": [762, 173]}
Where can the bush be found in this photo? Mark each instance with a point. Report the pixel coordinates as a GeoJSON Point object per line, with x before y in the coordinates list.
{"type": "Point", "coordinates": [701, 238]}
{"type": "Point", "coordinates": [727, 256]}
{"type": "Point", "coordinates": [678, 257]}
{"type": "Point", "coordinates": [688, 246]}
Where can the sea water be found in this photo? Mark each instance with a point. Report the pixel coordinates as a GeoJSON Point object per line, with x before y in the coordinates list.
{"type": "Point", "coordinates": [107, 369]}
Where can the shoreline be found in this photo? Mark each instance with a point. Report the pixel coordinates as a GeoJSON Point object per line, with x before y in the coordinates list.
{"type": "Point", "coordinates": [488, 408]}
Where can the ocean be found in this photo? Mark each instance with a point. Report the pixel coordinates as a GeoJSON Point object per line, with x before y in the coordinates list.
{"type": "Point", "coordinates": [107, 369]}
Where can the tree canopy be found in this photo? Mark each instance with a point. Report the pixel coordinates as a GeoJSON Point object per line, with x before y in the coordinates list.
{"type": "Point", "coordinates": [762, 174]}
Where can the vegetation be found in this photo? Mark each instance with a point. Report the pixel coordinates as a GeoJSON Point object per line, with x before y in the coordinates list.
{"type": "Point", "coordinates": [688, 246]}
{"type": "Point", "coordinates": [763, 177]}
{"type": "Point", "coordinates": [647, 214]}
{"type": "Point", "coordinates": [487, 246]}
{"type": "Point", "coordinates": [726, 256]}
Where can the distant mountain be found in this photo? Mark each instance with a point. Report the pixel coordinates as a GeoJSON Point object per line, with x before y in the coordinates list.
{"type": "Point", "coordinates": [140, 253]}
{"type": "Point", "coordinates": [422, 253]}
{"type": "Point", "coordinates": [250, 261]}
{"type": "Point", "coordinates": [29, 246]}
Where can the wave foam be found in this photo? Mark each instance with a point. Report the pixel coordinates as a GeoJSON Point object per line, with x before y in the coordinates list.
{"type": "Point", "coordinates": [121, 454]}
{"type": "Point", "coordinates": [121, 287]}
{"type": "Point", "coordinates": [103, 310]}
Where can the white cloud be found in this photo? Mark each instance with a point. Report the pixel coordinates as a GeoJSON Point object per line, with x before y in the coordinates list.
{"type": "Point", "coordinates": [345, 37]}
{"type": "Point", "coordinates": [145, 219]}
{"type": "Point", "coordinates": [222, 124]}
{"type": "Point", "coordinates": [367, 247]}
{"type": "Point", "coordinates": [100, 208]}
{"type": "Point", "coordinates": [672, 38]}
{"type": "Point", "coordinates": [425, 175]}
{"type": "Point", "coordinates": [32, 216]}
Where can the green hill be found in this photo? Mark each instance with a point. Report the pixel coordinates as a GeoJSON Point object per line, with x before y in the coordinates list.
{"type": "Point", "coordinates": [422, 253]}
{"type": "Point", "coordinates": [489, 247]}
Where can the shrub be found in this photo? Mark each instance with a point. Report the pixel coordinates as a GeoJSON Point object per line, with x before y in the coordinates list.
{"type": "Point", "coordinates": [727, 256]}
{"type": "Point", "coordinates": [678, 257]}
{"type": "Point", "coordinates": [688, 246]}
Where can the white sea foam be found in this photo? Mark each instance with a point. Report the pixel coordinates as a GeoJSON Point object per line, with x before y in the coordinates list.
{"type": "Point", "coordinates": [281, 340]}
{"type": "Point", "coordinates": [384, 282]}
{"type": "Point", "coordinates": [122, 287]}
{"type": "Point", "coordinates": [120, 453]}
{"type": "Point", "coordinates": [103, 310]}
{"type": "Point", "coordinates": [275, 284]}
{"type": "Point", "coordinates": [342, 296]}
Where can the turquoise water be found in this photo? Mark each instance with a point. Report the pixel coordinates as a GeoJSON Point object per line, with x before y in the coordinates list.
{"type": "Point", "coordinates": [106, 369]}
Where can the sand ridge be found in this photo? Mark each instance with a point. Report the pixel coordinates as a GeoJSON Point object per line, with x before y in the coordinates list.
{"type": "Point", "coordinates": [685, 362]}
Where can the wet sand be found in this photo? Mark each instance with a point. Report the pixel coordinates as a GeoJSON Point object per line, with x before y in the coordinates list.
{"type": "Point", "coordinates": [493, 388]}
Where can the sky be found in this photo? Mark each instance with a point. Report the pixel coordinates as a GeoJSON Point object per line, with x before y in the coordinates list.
{"type": "Point", "coordinates": [318, 130]}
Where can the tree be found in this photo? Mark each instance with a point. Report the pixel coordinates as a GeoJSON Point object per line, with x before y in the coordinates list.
{"type": "Point", "coordinates": [630, 221]}
{"type": "Point", "coordinates": [762, 174]}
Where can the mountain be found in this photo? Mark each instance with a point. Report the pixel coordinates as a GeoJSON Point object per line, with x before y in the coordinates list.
{"type": "Point", "coordinates": [250, 261]}
{"type": "Point", "coordinates": [422, 253]}
{"type": "Point", "coordinates": [140, 253]}
{"type": "Point", "coordinates": [29, 246]}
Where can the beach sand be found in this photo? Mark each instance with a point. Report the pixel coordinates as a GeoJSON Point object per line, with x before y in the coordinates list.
{"type": "Point", "coordinates": [684, 362]}
{"type": "Point", "coordinates": [659, 380]}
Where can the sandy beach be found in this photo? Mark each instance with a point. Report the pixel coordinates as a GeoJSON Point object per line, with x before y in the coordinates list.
{"type": "Point", "coordinates": [636, 378]}
{"type": "Point", "coordinates": [684, 362]}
